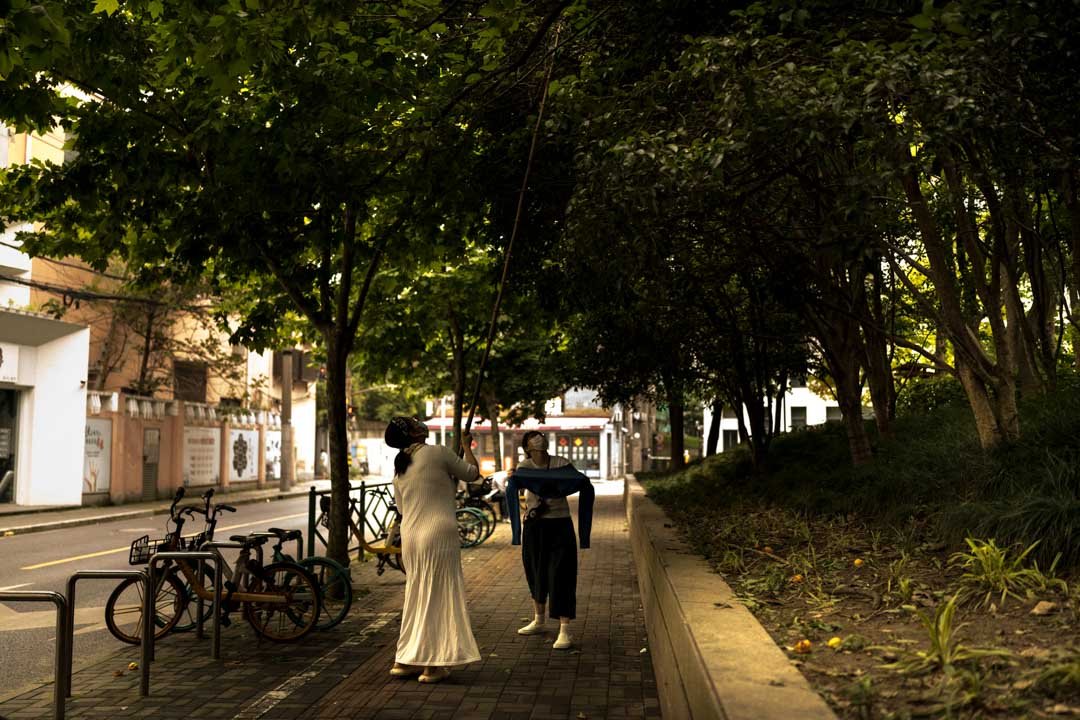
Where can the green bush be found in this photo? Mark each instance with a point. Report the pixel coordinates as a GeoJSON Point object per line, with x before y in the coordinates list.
{"type": "Point", "coordinates": [923, 395]}
{"type": "Point", "coordinates": [932, 470]}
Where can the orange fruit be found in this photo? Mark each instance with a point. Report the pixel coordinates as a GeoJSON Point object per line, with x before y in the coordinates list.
{"type": "Point", "coordinates": [803, 647]}
{"type": "Point", "coordinates": [858, 562]}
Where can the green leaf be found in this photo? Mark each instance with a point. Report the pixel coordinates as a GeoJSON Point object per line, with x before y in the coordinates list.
{"type": "Point", "coordinates": [106, 6]}
{"type": "Point", "coordinates": [922, 22]}
{"type": "Point", "coordinates": [156, 9]}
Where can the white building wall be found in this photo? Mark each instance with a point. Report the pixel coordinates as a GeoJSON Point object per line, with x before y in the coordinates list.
{"type": "Point", "coordinates": [816, 413]}
{"type": "Point", "coordinates": [303, 421]}
{"type": "Point", "coordinates": [52, 421]}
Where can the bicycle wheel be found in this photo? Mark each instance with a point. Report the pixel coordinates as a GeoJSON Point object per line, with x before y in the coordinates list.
{"type": "Point", "coordinates": [188, 616]}
{"type": "Point", "coordinates": [490, 520]}
{"type": "Point", "coordinates": [335, 589]}
{"type": "Point", "coordinates": [124, 609]}
{"type": "Point", "coordinates": [470, 524]}
{"type": "Point", "coordinates": [489, 517]}
{"type": "Point", "coordinates": [297, 615]}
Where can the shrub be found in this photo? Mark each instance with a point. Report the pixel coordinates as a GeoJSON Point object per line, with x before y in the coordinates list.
{"type": "Point", "coordinates": [924, 395]}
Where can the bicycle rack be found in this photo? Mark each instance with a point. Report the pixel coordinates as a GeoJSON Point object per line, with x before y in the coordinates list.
{"type": "Point", "coordinates": [375, 523]}
{"type": "Point", "coordinates": [148, 608]}
{"type": "Point", "coordinates": [60, 679]}
{"type": "Point", "coordinates": [69, 644]}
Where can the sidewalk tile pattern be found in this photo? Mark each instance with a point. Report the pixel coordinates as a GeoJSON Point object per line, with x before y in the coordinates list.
{"type": "Point", "coordinates": [343, 673]}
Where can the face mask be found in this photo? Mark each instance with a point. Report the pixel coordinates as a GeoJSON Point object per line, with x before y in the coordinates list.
{"type": "Point", "coordinates": [537, 443]}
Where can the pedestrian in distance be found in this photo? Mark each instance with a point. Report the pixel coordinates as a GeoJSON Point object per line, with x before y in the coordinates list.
{"type": "Point", "coordinates": [436, 634]}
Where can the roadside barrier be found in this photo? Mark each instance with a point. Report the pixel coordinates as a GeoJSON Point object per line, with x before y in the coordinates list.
{"type": "Point", "coordinates": [63, 632]}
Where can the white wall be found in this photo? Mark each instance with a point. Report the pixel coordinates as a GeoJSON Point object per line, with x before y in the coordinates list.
{"type": "Point", "coordinates": [796, 397]}
{"type": "Point", "coordinates": [303, 421]}
{"type": "Point", "coordinates": [52, 422]}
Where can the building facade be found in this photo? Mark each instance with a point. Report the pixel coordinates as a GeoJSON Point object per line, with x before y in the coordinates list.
{"type": "Point", "coordinates": [801, 408]}
{"type": "Point", "coordinates": [42, 369]}
{"type": "Point", "coordinates": [106, 401]}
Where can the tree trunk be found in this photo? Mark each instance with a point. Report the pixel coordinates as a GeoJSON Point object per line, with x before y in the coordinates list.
{"type": "Point", "coordinates": [143, 381]}
{"type": "Point", "coordinates": [678, 440]}
{"type": "Point", "coordinates": [337, 362]}
{"type": "Point", "coordinates": [878, 366]}
{"type": "Point", "coordinates": [986, 424]}
{"type": "Point", "coordinates": [492, 411]}
{"type": "Point", "coordinates": [457, 343]}
{"type": "Point", "coordinates": [714, 428]}
{"type": "Point", "coordinates": [849, 396]}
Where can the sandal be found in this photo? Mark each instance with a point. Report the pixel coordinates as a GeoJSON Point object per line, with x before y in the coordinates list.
{"type": "Point", "coordinates": [435, 675]}
{"type": "Point", "coordinates": [403, 671]}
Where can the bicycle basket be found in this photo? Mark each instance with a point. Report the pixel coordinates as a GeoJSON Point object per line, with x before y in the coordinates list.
{"type": "Point", "coordinates": [193, 542]}
{"type": "Point", "coordinates": [144, 548]}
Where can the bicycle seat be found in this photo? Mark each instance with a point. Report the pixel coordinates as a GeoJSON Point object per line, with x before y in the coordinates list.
{"type": "Point", "coordinates": [286, 534]}
{"type": "Point", "coordinates": [248, 540]}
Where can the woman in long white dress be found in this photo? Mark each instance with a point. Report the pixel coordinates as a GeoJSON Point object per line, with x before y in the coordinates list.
{"type": "Point", "coordinates": [436, 634]}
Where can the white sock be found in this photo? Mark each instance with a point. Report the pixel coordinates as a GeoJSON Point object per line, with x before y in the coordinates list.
{"type": "Point", "coordinates": [536, 626]}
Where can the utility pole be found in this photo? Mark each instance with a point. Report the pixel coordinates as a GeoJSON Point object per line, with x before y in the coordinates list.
{"type": "Point", "coordinates": [287, 469]}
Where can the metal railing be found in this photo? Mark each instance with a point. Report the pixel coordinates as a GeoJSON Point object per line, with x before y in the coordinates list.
{"type": "Point", "coordinates": [60, 679]}
{"type": "Point", "coordinates": [148, 608]}
{"type": "Point", "coordinates": [69, 639]}
{"type": "Point", "coordinates": [370, 512]}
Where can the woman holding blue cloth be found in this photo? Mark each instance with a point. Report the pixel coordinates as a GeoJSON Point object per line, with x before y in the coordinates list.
{"type": "Point", "coordinates": [548, 542]}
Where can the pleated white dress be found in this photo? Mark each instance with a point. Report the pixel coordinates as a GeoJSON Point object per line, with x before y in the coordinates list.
{"type": "Point", "coordinates": [435, 627]}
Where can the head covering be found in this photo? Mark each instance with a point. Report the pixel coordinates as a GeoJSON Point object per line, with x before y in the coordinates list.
{"type": "Point", "coordinates": [403, 432]}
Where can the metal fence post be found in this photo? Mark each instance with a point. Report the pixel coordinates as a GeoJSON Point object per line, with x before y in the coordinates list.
{"type": "Point", "coordinates": [312, 503]}
{"type": "Point", "coordinates": [149, 607]}
{"type": "Point", "coordinates": [69, 650]}
{"type": "Point", "coordinates": [62, 633]}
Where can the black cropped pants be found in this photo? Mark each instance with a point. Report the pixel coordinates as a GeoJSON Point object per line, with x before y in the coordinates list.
{"type": "Point", "coordinates": [549, 553]}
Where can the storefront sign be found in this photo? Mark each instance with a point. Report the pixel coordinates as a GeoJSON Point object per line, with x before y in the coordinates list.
{"type": "Point", "coordinates": [273, 455]}
{"type": "Point", "coordinates": [9, 363]}
{"type": "Point", "coordinates": [202, 456]}
{"type": "Point", "coordinates": [97, 457]}
{"type": "Point", "coordinates": [243, 455]}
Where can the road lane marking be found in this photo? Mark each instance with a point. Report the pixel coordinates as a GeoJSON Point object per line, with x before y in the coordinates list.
{"type": "Point", "coordinates": [37, 619]}
{"type": "Point", "coordinates": [127, 547]}
{"type": "Point", "coordinates": [15, 587]}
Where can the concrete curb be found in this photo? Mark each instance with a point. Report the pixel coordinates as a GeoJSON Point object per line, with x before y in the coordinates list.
{"type": "Point", "coordinates": [711, 657]}
{"type": "Point", "coordinates": [130, 514]}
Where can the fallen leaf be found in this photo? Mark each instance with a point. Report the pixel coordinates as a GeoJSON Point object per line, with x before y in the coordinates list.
{"type": "Point", "coordinates": [643, 651]}
{"type": "Point", "coordinates": [1044, 607]}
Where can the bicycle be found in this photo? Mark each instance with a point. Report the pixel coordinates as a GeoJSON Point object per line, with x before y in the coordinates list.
{"type": "Point", "coordinates": [335, 583]}
{"type": "Point", "coordinates": [276, 592]}
{"type": "Point", "coordinates": [334, 580]}
{"type": "Point", "coordinates": [473, 500]}
{"type": "Point", "coordinates": [386, 546]}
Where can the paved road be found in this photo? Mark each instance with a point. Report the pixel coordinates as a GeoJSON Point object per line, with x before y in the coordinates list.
{"type": "Point", "coordinates": [44, 561]}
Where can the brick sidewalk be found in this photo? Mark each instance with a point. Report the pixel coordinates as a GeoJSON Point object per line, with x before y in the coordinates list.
{"type": "Point", "coordinates": [343, 673]}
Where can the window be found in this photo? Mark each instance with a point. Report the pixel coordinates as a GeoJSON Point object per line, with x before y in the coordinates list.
{"type": "Point", "coordinates": [731, 439]}
{"type": "Point", "coordinates": [798, 417]}
{"type": "Point", "coordinates": [582, 450]}
{"type": "Point", "coordinates": [189, 380]}
{"type": "Point", "coordinates": [833, 414]}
